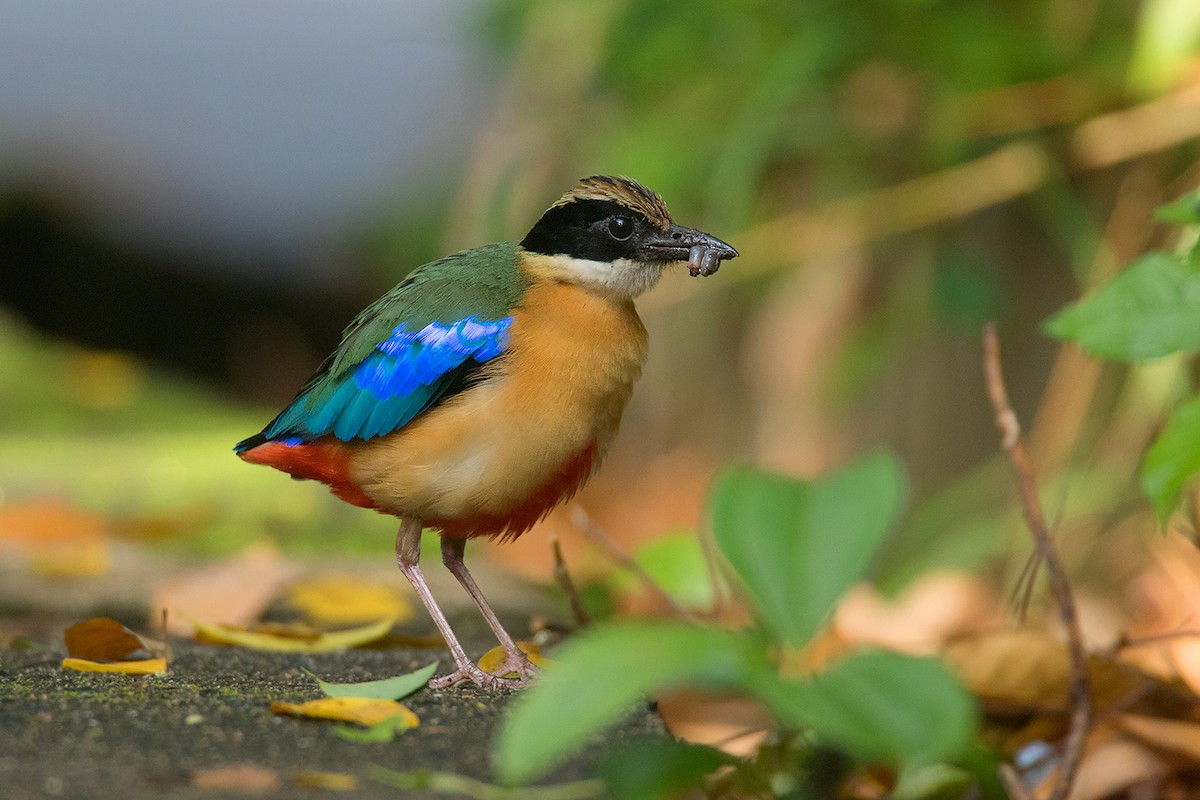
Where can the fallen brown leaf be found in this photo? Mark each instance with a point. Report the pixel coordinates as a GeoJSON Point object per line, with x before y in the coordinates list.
{"type": "Point", "coordinates": [104, 639]}
{"type": "Point", "coordinates": [1169, 595]}
{"type": "Point", "coordinates": [1029, 670]}
{"type": "Point", "coordinates": [1174, 736]}
{"type": "Point", "coordinates": [1113, 765]}
{"type": "Point", "coordinates": [933, 608]}
{"type": "Point", "coordinates": [234, 592]}
{"type": "Point", "coordinates": [735, 724]}
{"type": "Point", "coordinates": [243, 778]}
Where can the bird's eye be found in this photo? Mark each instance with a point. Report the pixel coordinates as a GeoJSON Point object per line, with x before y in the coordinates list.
{"type": "Point", "coordinates": [620, 228]}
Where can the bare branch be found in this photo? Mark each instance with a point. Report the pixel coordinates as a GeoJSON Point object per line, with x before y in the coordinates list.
{"type": "Point", "coordinates": [1060, 587]}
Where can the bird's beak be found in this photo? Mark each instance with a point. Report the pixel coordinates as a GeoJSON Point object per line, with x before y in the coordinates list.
{"type": "Point", "coordinates": [703, 252]}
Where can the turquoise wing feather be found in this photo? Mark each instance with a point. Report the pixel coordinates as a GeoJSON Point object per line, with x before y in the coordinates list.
{"type": "Point", "coordinates": [417, 345]}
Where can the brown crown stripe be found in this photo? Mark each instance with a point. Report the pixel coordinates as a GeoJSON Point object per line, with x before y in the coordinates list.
{"type": "Point", "coordinates": [621, 190]}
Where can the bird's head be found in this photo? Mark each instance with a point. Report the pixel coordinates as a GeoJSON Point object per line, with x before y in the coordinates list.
{"type": "Point", "coordinates": [616, 236]}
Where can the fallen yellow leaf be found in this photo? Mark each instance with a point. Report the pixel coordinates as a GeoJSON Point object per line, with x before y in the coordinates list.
{"type": "Point", "coordinates": [323, 643]}
{"type": "Point", "coordinates": [87, 560]}
{"type": "Point", "coordinates": [493, 659]}
{"type": "Point", "coordinates": [360, 710]}
{"type": "Point", "coordinates": [150, 666]}
{"type": "Point", "coordinates": [341, 598]}
{"type": "Point", "coordinates": [287, 630]}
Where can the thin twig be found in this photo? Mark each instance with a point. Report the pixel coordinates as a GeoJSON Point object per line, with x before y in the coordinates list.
{"type": "Point", "coordinates": [1022, 594]}
{"type": "Point", "coordinates": [1022, 591]}
{"type": "Point", "coordinates": [601, 539]}
{"type": "Point", "coordinates": [1060, 587]}
{"type": "Point", "coordinates": [1158, 638]}
{"type": "Point", "coordinates": [563, 576]}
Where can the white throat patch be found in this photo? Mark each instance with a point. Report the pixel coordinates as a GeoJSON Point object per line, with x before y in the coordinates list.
{"type": "Point", "coordinates": [622, 278]}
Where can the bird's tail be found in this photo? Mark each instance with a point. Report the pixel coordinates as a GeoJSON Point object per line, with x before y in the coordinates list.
{"type": "Point", "coordinates": [326, 460]}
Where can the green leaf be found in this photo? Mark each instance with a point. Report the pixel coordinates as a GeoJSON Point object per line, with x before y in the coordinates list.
{"type": "Point", "coordinates": [799, 545]}
{"type": "Point", "coordinates": [601, 675]}
{"type": "Point", "coordinates": [933, 782]}
{"type": "Point", "coordinates": [676, 562]}
{"type": "Point", "coordinates": [882, 706]}
{"type": "Point", "coordinates": [650, 769]}
{"type": "Point", "coordinates": [379, 733]}
{"type": "Point", "coordinates": [1150, 310]}
{"type": "Point", "coordinates": [387, 689]}
{"type": "Point", "coordinates": [1173, 458]}
{"type": "Point", "coordinates": [1182, 211]}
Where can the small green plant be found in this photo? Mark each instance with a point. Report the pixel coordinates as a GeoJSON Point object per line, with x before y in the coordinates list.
{"type": "Point", "coordinates": [795, 547]}
{"type": "Point", "coordinates": [1150, 311]}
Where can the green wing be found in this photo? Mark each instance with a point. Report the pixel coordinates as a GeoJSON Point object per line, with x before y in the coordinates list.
{"type": "Point", "coordinates": [409, 350]}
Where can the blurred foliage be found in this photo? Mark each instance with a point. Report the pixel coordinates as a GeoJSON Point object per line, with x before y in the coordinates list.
{"type": "Point", "coordinates": [738, 110]}
{"type": "Point", "coordinates": [894, 174]}
{"type": "Point", "coordinates": [152, 453]}
{"type": "Point", "coordinates": [1148, 312]}
{"type": "Point", "coordinates": [795, 548]}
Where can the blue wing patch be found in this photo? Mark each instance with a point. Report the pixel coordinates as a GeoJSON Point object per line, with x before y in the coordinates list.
{"type": "Point", "coordinates": [406, 374]}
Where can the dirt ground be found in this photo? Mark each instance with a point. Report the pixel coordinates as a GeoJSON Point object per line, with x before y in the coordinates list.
{"type": "Point", "coordinates": [85, 736]}
{"type": "Point", "coordinates": [66, 734]}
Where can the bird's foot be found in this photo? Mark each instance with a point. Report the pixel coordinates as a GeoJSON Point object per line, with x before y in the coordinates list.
{"type": "Point", "coordinates": [472, 673]}
{"type": "Point", "coordinates": [519, 664]}
{"type": "Point", "coordinates": [516, 663]}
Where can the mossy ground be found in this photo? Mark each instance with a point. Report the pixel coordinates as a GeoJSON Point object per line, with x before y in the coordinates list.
{"type": "Point", "coordinates": [79, 735]}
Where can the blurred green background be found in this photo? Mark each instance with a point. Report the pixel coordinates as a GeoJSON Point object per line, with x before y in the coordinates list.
{"type": "Point", "coordinates": [185, 235]}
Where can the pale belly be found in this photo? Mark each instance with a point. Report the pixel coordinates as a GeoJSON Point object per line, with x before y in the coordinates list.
{"type": "Point", "coordinates": [487, 451]}
{"type": "Point", "coordinates": [478, 456]}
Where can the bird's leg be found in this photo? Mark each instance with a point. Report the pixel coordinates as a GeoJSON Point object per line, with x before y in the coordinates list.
{"type": "Point", "coordinates": [408, 555]}
{"type": "Point", "coordinates": [515, 661]}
